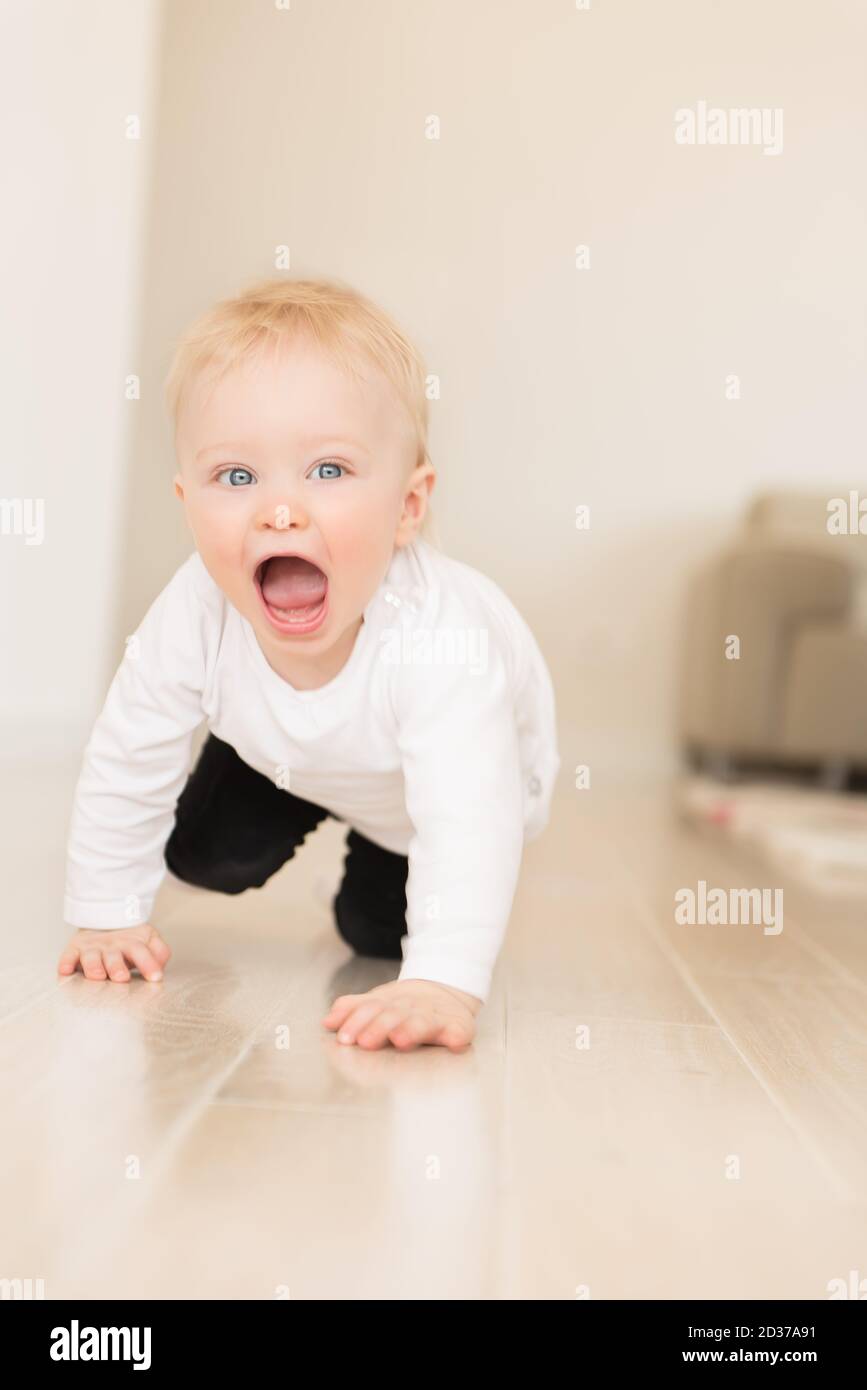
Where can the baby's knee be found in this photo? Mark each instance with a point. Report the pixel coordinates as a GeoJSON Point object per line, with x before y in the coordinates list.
{"type": "Point", "coordinates": [218, 874]}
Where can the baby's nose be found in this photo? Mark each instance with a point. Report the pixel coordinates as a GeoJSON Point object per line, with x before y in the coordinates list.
{"type": "Point", "coordinates": [279, 511]}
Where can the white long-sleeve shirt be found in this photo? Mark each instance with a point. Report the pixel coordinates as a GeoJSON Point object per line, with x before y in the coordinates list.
{"type": "Point", "coordinates": [437, 739]}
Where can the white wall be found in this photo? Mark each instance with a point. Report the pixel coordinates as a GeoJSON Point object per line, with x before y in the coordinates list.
{"type": "Point", "coordinates": [70, 247]}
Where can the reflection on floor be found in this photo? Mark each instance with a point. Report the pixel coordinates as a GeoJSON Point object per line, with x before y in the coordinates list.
{"type": "Point", "coordinates": [650, 1109]}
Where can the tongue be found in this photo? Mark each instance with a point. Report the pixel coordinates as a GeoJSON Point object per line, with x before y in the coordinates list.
{"type": "Point", "coordinates": [290, 582]}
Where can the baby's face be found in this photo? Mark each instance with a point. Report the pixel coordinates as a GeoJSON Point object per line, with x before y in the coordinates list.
{"type": "Point", "coordinates": [292, 457]}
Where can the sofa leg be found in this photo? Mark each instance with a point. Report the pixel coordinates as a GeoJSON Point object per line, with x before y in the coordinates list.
{"type": "Point", "coordinates": [834, 774]}
{"type": "Point", "coordinates": [719, 766]}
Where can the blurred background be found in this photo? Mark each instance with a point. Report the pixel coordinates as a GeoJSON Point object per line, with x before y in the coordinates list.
{"type": "Point", "coordinates": [662, 341]}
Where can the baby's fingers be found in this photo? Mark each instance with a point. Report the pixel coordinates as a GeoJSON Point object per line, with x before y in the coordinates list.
{"type": "Point", "coordinates": [140, 956]}
{"type": "Point", "coordinates": [159, 949]}
{"type": "Point", "coordinates": [404, 1029]}
{"type": "Point", "coordinates": [91, 964]}
{"type": "Point", "coordinates": [68, 961]}
{"type": "Point", "coordinates": [341, 1009]}
{"type": "Point", "coordinates": [360, 1016]}
{"type": "Point", "coordinates": [116, 966]}
{"type": "Point", "coordinates": [452, 1034]}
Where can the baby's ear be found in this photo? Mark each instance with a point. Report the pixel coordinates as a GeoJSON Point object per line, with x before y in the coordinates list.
{"type": "Point", "coordinates": [179, 487]}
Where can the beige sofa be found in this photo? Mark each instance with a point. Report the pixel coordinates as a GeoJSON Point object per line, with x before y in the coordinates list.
{"type": "Point", "coordinates": [796, 596]}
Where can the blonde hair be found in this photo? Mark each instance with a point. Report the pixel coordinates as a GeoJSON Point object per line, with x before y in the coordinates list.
{"type": "Point", "coordinates": [341, 322]}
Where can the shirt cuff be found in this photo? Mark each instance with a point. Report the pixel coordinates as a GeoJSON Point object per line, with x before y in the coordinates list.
{"type": "Point", "coordinates": [107, 916]}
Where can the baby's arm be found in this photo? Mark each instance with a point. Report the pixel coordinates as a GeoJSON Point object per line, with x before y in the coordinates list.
{"type": "Point", "coordinates": [134, 768]}
{"type": "Point", "coordinates": [464, 792]}
{"type": "Point", "coordinates": [464, 795]}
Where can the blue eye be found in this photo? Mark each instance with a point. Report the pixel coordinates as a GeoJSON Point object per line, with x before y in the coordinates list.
{"type": "Point", "coordinates": [329, 464]}
{"type": "Point", "coordinates": [230, 471]}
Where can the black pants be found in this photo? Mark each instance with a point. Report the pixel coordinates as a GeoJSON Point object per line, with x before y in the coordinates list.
{"type": "Point", "coordinates": [234, 828]}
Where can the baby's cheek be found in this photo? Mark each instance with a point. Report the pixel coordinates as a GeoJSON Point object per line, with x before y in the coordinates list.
{"type": "Point", "coordinates": [362, 550]}
{"type": "Point", "coordinates": [220, 538]}
{"type": "Point", "coordinates": [223, 558]}
{"type": "Point", "coordinates": [346, 529]}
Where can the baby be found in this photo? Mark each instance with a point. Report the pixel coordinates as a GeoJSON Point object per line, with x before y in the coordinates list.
{"type": "Point", "coordinates": [344, 666]}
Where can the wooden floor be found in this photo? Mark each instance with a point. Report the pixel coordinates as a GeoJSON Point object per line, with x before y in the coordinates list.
{"type": "Point", "coordinates": [710, 1141]}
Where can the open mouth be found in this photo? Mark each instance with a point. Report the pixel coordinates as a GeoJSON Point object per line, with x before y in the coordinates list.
{"type": "Point", "coordinates": [294, 592]}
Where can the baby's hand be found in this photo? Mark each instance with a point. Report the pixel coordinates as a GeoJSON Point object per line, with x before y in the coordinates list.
{"type": "Point", "coordinates": [406, 1013]}
{"type": "Point", "coordinates": [105, 953]}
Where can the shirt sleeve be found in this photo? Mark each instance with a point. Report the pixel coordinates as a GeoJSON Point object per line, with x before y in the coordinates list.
{"type": "Point", "coordinates": [463, 784]}
{"type": "Point", "coordinates": [136, 763]}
